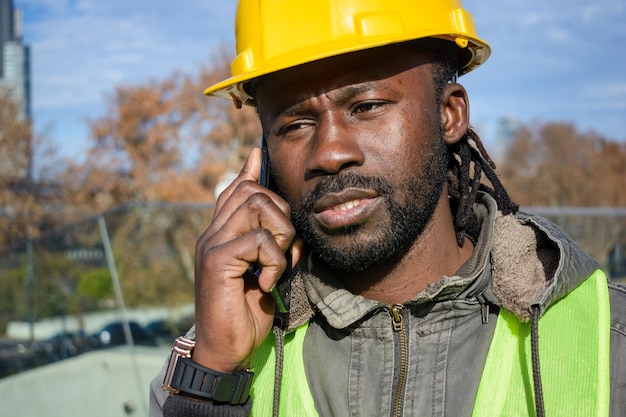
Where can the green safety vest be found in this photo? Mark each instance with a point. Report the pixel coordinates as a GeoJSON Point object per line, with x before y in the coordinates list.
{"type": "Point", "coordinates": [574, 351]}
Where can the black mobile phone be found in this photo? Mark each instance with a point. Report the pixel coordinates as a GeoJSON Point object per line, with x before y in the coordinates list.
{"type": "Point", "coordinates": [264, 176]}
{"type": "Point", "coordinates": [265, 179]}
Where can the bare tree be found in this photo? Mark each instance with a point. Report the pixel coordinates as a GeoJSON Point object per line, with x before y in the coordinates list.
{"type": "Point", "coordinates": [163, 141]}
{"type": "Point", "coordinates": [555, 165]}
{"type": "Point", "coordinates": [20, 212]}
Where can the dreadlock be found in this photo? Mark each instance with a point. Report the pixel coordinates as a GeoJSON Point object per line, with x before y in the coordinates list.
{"type": "Point", "coordinates": [468, 158]}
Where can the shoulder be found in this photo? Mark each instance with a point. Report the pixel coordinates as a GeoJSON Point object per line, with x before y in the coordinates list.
{"type": "Point", "coordinates": [617, 295]}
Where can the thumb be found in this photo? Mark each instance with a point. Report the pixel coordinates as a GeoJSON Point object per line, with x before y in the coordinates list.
{"type": "Point", "coordinates": [297, 249]}
{"type": "Point", "coordinates": [252, 167]}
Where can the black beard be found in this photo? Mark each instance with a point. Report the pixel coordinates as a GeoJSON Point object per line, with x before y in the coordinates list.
{"type": "Point", "coordinates": [407, 218]}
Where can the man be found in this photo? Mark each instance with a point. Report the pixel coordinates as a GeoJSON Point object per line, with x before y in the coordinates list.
{"type": "Point", "coordinates": [415, 290]}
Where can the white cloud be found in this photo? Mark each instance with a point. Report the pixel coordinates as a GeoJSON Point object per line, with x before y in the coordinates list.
{"type": "Point", "coordinates": [559, 35]}
{"type": "Point", "coordinates": [87, 47]}
{"type": "Point", "coordinates": [609, 94]}
{"type": "Point", "coordinates": [50, 5]}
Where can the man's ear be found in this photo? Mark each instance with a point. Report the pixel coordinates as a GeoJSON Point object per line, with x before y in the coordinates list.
{"type": "Point", "coordinates": [454, 108]}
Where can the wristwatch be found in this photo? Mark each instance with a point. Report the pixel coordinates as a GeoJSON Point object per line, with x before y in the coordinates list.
{"type": "Point", "coordinates": [185, 376]}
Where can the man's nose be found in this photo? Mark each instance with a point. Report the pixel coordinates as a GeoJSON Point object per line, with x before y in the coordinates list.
{"type": "Point", "coordinates": [335, 147]}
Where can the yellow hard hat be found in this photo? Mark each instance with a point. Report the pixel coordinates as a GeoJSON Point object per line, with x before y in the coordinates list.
{"type": "Point", "coordinates": [272, 35]}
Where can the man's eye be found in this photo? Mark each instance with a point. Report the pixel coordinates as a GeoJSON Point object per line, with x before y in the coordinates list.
{"type": "Point", "coordinates": [291, 127]}
{"type": "Point", "coordinates": [367, 106]}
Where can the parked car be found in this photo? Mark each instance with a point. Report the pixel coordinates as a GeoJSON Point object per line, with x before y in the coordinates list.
{"type": "Point", "coordinates": [62, 345]}
{"type": "Point", "coordinates": [165, 331]}
{"type": "Point", "coordinates": [113, 335]}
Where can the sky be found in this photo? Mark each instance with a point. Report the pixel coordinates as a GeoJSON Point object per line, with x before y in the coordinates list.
{"type": "Point", "coordinates": [552, 60]}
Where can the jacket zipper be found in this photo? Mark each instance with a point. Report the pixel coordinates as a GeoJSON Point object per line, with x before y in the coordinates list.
{"type": "Point", "coordinates": [397, 320]}
{"type": "Point", "coordinates": [484, 307]}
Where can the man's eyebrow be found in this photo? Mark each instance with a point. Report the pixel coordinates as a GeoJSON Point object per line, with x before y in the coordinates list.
{"type": "Point", "coordinates": [291, 110]}
{"type": "Point", "coordinates": [337, 95]}
{"type": "Point", "coordinates": [351, 90]}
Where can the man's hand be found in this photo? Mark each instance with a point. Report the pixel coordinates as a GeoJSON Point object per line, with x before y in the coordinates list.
{"type": "Point", "coordinates": [234, 312]}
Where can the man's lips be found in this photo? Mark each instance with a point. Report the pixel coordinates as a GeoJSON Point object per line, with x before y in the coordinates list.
{"type": "Point", "coordinates": [345, 208]}
{"type": "Point", "coordinates": [346, 197]}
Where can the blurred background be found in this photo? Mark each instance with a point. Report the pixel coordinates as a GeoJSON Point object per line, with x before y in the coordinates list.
{"type": "Point", "coordinates": [111, 159]}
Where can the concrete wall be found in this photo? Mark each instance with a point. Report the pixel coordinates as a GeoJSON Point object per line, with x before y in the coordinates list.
{"type": "Point", "coordinates": [110, 383]}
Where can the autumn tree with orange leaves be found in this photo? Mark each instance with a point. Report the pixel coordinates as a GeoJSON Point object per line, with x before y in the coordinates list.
{"type": "Point", "coordinates": [163, 141]}
{"type": "Point", "coordinates": [20, 211]}
{"type": "Point", "coordinates": [555, 165]}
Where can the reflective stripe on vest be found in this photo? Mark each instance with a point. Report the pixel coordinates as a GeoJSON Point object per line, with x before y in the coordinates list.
{"type": "Point", "coordinates": [574, 353]}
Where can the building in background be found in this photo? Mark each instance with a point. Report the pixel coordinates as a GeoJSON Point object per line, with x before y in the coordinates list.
{"type": "Point", "coordinates": [15, 161]}
{"type": "Point", "coordinates": [15, 59]}
{"type": "Point", "coordinates": [507, 129]}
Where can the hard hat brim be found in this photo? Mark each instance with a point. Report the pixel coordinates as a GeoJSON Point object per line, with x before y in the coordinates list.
{"type": "Point", "coordinates": [233, 87]}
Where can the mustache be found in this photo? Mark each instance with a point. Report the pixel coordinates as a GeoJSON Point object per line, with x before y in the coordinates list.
{"type": "Point", "coordinates": [343, 180]}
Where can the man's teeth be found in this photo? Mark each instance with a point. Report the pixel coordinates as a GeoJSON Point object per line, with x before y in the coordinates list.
{"type": "Point", "coordinates": [347, 206]}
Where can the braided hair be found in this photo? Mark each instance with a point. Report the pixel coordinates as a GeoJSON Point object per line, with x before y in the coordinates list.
{"type": "Point", "coordinates": [468, 159]}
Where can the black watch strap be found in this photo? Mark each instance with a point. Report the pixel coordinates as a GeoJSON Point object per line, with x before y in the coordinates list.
{"type": "Point", "coordinates": [194, 379]}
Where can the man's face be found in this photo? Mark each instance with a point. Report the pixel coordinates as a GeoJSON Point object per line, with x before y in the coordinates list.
{"type": "Point", "coordinates": [356, 148]}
